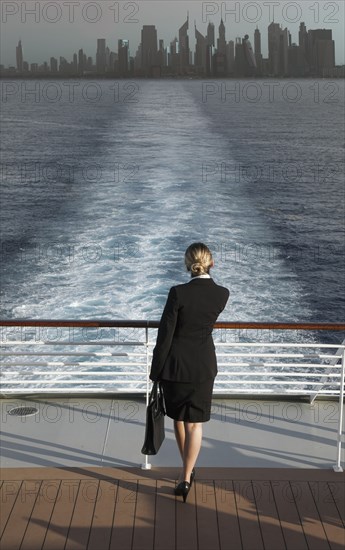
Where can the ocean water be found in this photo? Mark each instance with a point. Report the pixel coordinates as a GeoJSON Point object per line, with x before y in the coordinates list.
{"type": "Point", "coordinates": [105, 184]}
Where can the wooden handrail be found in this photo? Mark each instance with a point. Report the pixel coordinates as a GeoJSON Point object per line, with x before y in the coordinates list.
{"type": "Point", "coordinates": [155, 324]}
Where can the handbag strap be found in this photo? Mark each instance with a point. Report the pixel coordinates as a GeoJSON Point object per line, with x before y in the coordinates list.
{"type": "Point", "coordinates": [154, 392]}
{"type": "Point", "coordinates": [157, 396]}
{"type": "Point", "coordinates": [161, 398]}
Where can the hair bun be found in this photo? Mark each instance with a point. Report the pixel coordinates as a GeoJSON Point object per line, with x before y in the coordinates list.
{"type": "Point", "coordinates": [197, 268]}
{"type": "Point", "coordinates": [198, 259]}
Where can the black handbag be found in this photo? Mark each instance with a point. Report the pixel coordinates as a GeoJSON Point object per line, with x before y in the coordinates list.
{"type": "Point", "coordinates": [154, 431]}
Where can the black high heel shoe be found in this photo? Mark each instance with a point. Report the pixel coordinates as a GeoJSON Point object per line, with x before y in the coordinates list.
{"type": "Point", "coordinates": [192, 476]}
{"type": "Point", "coordinates": [183, 489]}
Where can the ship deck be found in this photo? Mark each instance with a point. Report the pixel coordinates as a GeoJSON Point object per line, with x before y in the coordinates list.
{"type": "Point", "coordinates": [71, 477]}
{"type": "Point", "coordinates": [128, 508]}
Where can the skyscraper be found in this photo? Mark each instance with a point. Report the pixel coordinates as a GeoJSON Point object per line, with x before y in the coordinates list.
{"type": "Point", "coordinates": [221, 43]}
{"type": "Point", "coordinates": [123, 57]}
{"type": "Point", "coordinates": [19, 56]}
{"type": "Point", "coordinates": [240, 64]}
{"type": "Point", "coordinates": [75, 63]}
{"type": "Point", "coordinates": [200, 51]}
{"type": "Point", "coordinates": [53, 65]}
{"type": "Point", "coordinates": [249, 57]}
{"type": "Point", "coordinates": [138, 59]}
{"type": "Point", "coordinates": [161, 55]}
{"type": "Point", "coordinates": [210, 34]}
{"type": "Point", "coordinates": [63, 65]}
{"type": "Point", "coordinates": [81, 62]}
{"type": "Point", "coordinates": [278, 42]}
{"type": "Point", "coordinates": [298, 55]}
{"type": "Point", "coordinates": [297, 63]}
{"type": "Point", "coordinates": [321, 50]}
{"type": "Point", "coordinates": [184, 46]}
{"type": "Point", "coordinates": [257, 41]}
{"type": "Point", "coordinates": [210, 44]}
{"type": "Point", "coordinates": [325, 55]}
{"type": "Point", "coordinates": [230, 57]}
{"type": "Point", "coordinates": [113, 62]}
{"type": "Point", "coordinates": [284, 46]}
{"type": "Point", "coordinates": [173, 57]}
{"type": "Point", "coordinates": [148, 48]}
{"type": "Point", "coordinates": [257, 49]}
{"type": "Point", "coordinates": [303, 40]}
{"type": "Point", "coordinates": [273, 48]}
{"type": "Point", "coordinates": [101, 56]}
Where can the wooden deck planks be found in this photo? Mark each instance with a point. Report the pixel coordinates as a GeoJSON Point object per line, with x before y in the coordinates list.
{"type": "Point", "coordinates": [134, 510]}
{"type": "Point", "coordinates": [228, 523]}
{"type": "Point", "coordinates": [61, 517]}
{"type": "Point", "coordinates": [102, 521]}
{"type": "Point", "coordinates": [338, 493]}
{"type": "Point", "coordinates": [20, 515]}
{"type": "Point", "coordinates": [329, 514]}
{"type": "Point", "coordinates": [248, 515]}
{"type": "Point", "coordinates": [310, 518]}
{"type": "Point", "coordinates": [289, 518]}
{"type": "Point", "coordinates": [144, 523]}
{"type": "Point", "coordinates": [79, 530]}
{"type": "Point", "coordinates": [123, 523]}
{"type": "Point", "coordinates": [206, 512]}
{"type": "Point", "coordinates": [39, 521]}
{"type": "Point", "coordinates": [165, 530]}
{"type": "Point", "coordinates": [186, 524]}
{"type": "Point", "coordinates": [271, 530]}
{"type": "Point", "coordinates": [8, 496]}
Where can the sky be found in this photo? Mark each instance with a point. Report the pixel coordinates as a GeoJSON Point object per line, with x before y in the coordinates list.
{"type": "Point", "coordinates": [61, 27]}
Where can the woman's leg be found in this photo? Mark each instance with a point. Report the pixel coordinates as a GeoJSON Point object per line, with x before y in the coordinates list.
{"type": "Point", "coordinates": [188, 438]}
{"type": "Point", "coordinates": [180, 435]}
{"type": "Point", "coordinates": [192, 445]}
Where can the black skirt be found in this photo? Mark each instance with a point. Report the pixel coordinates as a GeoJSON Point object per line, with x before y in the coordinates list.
{"type": "Point", "coordinates": [188, 402]}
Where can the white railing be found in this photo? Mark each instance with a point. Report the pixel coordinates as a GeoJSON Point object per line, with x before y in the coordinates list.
{"type": "Point", "coordinates": [34, 363]}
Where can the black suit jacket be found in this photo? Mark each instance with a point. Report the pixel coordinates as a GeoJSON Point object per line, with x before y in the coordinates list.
{"type": "Point", "coordinates": [184, 350]}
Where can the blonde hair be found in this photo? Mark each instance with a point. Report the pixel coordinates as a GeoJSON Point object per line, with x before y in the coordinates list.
{"type": "Point", "coordinates": [198, 259]}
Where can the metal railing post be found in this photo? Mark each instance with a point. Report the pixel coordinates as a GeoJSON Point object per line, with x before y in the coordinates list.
{"type": "Point", "coordinates": [337, 355]}
{"type": "Point", "coordinates": [147, 465]}
{"type": "Point", "coordinates": [337, 467]}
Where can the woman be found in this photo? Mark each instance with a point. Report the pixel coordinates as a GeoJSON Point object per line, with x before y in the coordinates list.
{"type": "Point", "coordinates": [184, 358]}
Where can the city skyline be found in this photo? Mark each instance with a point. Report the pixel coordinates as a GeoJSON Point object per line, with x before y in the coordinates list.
{"type": "Point", "coordinates": [314, 55]}
{"type": "Point", "coordinates": [80, 33]}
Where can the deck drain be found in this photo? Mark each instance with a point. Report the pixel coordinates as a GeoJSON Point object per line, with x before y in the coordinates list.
{"type": "Point", "coordinates": [23, 411]}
